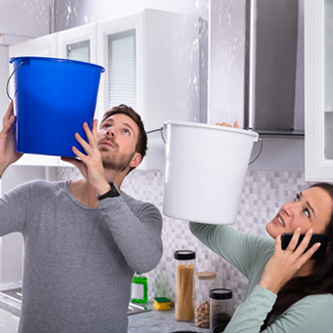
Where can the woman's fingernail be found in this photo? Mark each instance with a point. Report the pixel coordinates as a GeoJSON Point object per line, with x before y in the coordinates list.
{"type": "Point", "coordinates": [311, 231]}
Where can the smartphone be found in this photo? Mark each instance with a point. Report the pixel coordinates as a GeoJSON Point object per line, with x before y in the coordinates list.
{"type": "Point", "coordinates": [319, 254]}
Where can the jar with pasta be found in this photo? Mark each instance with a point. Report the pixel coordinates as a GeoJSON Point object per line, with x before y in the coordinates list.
{"type": "Point", "coordinates": [184, 305]}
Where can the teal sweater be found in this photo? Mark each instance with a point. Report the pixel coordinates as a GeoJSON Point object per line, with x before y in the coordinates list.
{"type": "Point", "coordinates": [249, 254]}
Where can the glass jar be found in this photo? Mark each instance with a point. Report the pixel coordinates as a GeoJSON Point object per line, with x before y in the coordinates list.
{"type": "Point", "coordinates": [204, 282]}
{"type": "Point", "coordinates": [220, 299]}
{"type": "Point", "coordinates": [184, 304]}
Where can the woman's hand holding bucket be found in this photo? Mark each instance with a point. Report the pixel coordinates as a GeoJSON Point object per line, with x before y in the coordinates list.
{"type": "Point", "coordinates": [8, 154]}
{"type": "Point", "coordinates": [228, 125]}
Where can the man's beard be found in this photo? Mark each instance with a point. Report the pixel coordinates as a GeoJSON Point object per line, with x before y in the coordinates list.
{"type": "Point", "coordinates": [116, 163]}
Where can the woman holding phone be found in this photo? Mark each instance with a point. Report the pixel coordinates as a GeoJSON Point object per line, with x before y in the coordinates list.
{"type": "Point", "coordinates": [287, 290]}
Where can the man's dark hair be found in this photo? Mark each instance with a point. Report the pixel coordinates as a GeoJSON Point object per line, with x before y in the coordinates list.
{"type": "Point", "coordinates": [141, 145]}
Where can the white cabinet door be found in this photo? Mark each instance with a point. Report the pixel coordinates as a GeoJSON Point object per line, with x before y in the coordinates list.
{"type": "Point", "coordinates": [78, 44]}
{"type": "Point", "coordinates": [5, 320]}
{"type": "Point", "coordinates": [152, 64]}
{"type": "Point", "coordinates": [9, 323]}
{"type": "Point", "coordinates": [14, 324]}
{"type": "Point", "coordinates": [318, 58]}
{"type": "Point", "coordinates": [118, 40]}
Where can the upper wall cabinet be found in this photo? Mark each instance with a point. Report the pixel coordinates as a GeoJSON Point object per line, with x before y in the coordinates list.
{"type": "Point", "coordinates": [46, 46]}
{"type": "Point", "coordinates": [152, 64]}
{"type": "Point", "coordinates": [318, 57]}
{"type": "Point", "coordinates": [151, 61]}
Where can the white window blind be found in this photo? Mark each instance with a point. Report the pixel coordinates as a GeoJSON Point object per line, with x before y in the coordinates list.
{"type": "Point", "coordinates": [79, 51]}
{"type": "Point", "coordinates": [122, 69]}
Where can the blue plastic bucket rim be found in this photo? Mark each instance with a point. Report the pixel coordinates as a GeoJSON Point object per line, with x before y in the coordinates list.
{"type": "Point", "coordinates": [56, 60]}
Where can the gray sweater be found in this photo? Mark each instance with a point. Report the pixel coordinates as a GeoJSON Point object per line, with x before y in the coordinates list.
{"type": "Point", "coordinates": [79, 261]}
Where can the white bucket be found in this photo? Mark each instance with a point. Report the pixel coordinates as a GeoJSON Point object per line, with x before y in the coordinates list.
{"type": "Point", "coordinates": [205, 171]}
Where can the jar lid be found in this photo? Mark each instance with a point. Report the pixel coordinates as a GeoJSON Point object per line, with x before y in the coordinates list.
{"type": "Point", "coordinates": [220, 293]}
{"type": "Point", "coordinates": [184, 255]}
{"type": "Point", "coordinates": [206, 275]}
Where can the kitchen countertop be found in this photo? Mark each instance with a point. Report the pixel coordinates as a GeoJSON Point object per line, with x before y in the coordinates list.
{"type": "Point", "coordinates": [6, 303]}
{"type": "Point", "coordinates": [160, 321]}
{"type": "Point", "coordinates": [146, 322]}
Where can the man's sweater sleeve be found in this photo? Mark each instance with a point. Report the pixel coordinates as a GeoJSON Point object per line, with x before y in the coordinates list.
{"type": "Point", "coordinates": [16, 206]}
{"type": "Point", "coordinates": [136, 230]}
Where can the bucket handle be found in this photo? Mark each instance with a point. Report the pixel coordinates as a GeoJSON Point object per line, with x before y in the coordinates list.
{"type": "Point", "coordinates": [157, 130]}
{"type": "Point", "coordinates": [11, 77]}
{"type": "Point", "coordinates": [260, 140]}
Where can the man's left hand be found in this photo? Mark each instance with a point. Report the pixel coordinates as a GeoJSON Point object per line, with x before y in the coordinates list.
{"type": "Point", "coordinates": [90, 165]}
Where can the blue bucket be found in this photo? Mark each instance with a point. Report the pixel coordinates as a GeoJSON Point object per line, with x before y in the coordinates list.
{"type": "Point", "coordinates": [52, 99]}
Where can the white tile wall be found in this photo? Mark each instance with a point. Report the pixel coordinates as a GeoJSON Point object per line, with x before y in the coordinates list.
{"type": "Point", "coordinates": [264, 193]}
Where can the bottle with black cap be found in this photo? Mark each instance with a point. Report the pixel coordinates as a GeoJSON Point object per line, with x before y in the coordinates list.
{"type": "Point", "coordinates": [185, 266]}
{"type": "Point", "coordinates": [220, 307]}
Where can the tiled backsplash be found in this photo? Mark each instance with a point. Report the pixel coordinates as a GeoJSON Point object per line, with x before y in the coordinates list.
{"type": "Point", "coordinates": [263, 194]}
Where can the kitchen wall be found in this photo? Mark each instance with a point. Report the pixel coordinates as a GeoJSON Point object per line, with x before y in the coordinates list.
{"type": "Point", "coordinates": [263, 194]}
{"type": "Point", "coordinates": [273, 179]}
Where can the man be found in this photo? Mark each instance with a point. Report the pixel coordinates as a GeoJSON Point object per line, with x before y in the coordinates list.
{"type": "Point", "coordinates": [84, 239]}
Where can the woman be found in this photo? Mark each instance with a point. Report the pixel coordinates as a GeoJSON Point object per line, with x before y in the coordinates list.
{"type": "Point", "coordinates": [287, 291]}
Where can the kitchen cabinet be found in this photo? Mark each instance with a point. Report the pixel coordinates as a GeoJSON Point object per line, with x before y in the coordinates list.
{"type": "Point", "coordinates": [9, 323]}
{"type": "Point", "coordinates": [78, 44]}
{"type": "Point", "coordinates": [318, 58]}
{"type": "Point", "coordinates": [14, 323]}
{"type": "Point", "coordinates": [151, 59]}
{"type": "Point", "coordinates": [152, 64]}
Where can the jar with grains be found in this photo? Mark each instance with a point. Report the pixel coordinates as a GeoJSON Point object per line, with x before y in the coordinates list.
{"type": "Point", "coordinates": [219, 305]}
{"type": "Point", "coordinates": [184, 305]}
{"type": "Point", "coordinates": [204, 282]}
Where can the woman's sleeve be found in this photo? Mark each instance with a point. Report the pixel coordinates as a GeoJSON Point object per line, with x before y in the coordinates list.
{"type": "Point", "coordinates": [244, 251]}
{"type": "Point", "coordinates": [310, 314]}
